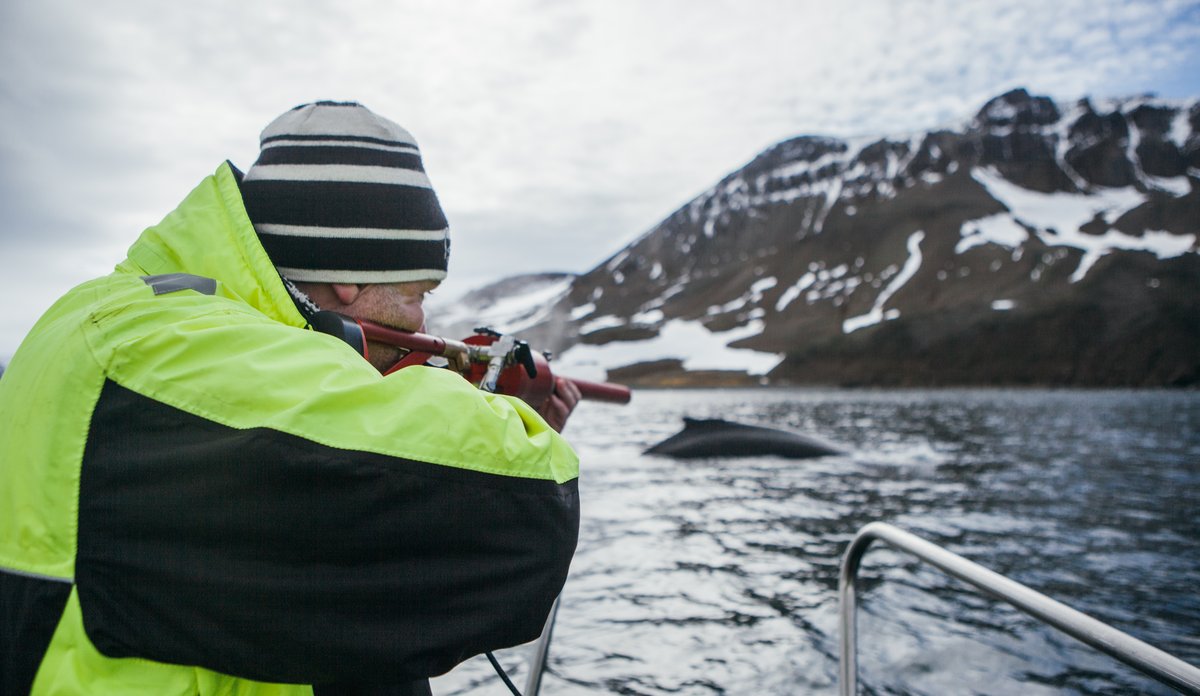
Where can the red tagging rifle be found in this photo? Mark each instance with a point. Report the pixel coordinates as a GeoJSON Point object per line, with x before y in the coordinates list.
{"type": "Point", "coordinates": [492, 361]}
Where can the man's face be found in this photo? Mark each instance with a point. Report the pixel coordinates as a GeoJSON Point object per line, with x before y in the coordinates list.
{"type": "Point", "coordinates": [398, 305]}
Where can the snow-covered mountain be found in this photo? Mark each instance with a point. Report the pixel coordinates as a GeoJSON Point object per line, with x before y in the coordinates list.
{"type": "Point", "coordinates": [512, 305]}
{"type": "Point", "coordinates": [1036, 243]}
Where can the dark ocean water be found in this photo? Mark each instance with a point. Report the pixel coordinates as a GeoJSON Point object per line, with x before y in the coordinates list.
{"type": "Point", "coordinates": [720, 576]}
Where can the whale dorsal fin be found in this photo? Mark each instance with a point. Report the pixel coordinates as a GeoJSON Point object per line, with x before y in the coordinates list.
{"type": "Point", "coordinates": [708, 424]}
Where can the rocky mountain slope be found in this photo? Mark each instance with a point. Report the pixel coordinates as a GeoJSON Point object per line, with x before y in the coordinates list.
{"type": "Point", "coordinates": [1037, 243]}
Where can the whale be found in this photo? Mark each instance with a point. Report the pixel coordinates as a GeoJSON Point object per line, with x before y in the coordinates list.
{"type": "Point", "coordinates": [716, 437]}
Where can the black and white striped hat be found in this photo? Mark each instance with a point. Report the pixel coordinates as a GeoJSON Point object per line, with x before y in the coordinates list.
{"type": "Point", "coordinates": [339, 195]}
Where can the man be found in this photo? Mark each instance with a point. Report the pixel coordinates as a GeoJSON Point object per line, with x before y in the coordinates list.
{"type": "Point", "coordinates": [200, 494]}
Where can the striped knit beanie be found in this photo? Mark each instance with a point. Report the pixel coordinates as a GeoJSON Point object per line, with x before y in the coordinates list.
{"type": "Point", "coordinates": [339, 195]}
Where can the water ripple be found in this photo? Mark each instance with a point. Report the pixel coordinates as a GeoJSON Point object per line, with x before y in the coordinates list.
{"type": "Point", "coordinates": [720, 576]}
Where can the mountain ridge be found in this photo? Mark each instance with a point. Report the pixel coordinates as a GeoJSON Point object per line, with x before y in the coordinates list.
{"type": "Point", "coordinates": [1039, 243]}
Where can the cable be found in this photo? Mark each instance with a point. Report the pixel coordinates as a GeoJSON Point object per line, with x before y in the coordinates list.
{"type": "Point", "coordinates": [500, 670]}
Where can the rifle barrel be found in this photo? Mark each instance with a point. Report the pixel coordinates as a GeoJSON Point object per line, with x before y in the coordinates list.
{"type": "Point", "coordinates": [602, 391]}
{"type": "Point", "coordinates": [411, 340]}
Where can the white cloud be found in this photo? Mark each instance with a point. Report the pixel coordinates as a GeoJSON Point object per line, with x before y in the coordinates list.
{"type": "Point", "coordinates": [553, 131]}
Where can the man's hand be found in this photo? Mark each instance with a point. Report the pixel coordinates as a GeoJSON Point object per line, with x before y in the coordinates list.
{"type": "Point", "coordinates": [561, 403]}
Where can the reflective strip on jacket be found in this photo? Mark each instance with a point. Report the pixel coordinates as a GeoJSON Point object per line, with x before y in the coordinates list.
{"type": "Point", "coordinates": [198, 494]}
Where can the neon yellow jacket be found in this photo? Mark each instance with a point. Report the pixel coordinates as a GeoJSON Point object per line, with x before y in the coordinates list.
{"type": "Point", "coordinates": [200, 495]}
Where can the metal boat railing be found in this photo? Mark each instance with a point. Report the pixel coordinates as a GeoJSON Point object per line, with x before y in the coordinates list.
{"type": "Point", "coordinates": [1155, 663]}
{"type": "Point", "coordinates": [1162, 666]}
{"type": "Point", "coordinates": [541, 652]}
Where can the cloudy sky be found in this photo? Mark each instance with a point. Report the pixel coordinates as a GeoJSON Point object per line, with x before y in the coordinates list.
{"type": "Point", "coordinates": [554, 131]}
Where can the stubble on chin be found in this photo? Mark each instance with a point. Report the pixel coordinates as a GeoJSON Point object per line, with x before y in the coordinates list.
{"type": "Point", "coordinates": [382, 356]}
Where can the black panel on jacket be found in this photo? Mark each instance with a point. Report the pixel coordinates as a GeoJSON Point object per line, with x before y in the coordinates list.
{"type": "Point", "coordinates": [267, 556]}
{"type": "Point", "coordinates": [415, 688]}
{"type": "Point", "coordinates": [30, 609]}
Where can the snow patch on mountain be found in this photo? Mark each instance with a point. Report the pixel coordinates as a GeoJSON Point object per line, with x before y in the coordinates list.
{"type": "Point", "coordinates": [607, 321]}
{"type": "Point", "coordinates": [1164, 245]}
{"type": "Point", "coordinates": [794, 291]}
{"type": "Point", "coordinates": [1180, 128]}
{"type": "Point", "coordinates": [652, 316]}
{"type": "Point", "coordinates": [511, 308]}
{"type": "Point", "coordinates": [998, 229]}
{"type": "Point", "coordinates": [1060, 212]}
{"type": "Point", "coordinates": [1058, 217]}
{"type": "Point", "coordinates": [1176, 186]}
{"type": "Point", "coordinates": [877, 314]}
{"type": "Point", "coordinates": [689, 341]}
{"type": "Point", "coordinates": [582, 311]}
{"type": "Point", "coordinates": [751, 296]}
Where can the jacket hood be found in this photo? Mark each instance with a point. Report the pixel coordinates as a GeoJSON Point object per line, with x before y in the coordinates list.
{"type": "Point", "coordinates": [210, 235]}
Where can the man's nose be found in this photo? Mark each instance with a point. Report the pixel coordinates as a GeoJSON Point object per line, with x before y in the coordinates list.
{"type": "Point", "coordinates": [416, 316]}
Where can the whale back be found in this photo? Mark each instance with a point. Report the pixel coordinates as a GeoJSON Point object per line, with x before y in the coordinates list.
{"type": "Point", "coordinates": [716, 437]}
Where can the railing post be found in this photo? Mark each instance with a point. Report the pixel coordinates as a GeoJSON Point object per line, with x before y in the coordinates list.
{"type": "Point", "coordinates": [541, 652]}
{"type": "Point", "coordinates": [848, 611]}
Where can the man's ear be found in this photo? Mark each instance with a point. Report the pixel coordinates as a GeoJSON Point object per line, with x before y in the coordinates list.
{"type": "Point", "coordinates": [346, 294]}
